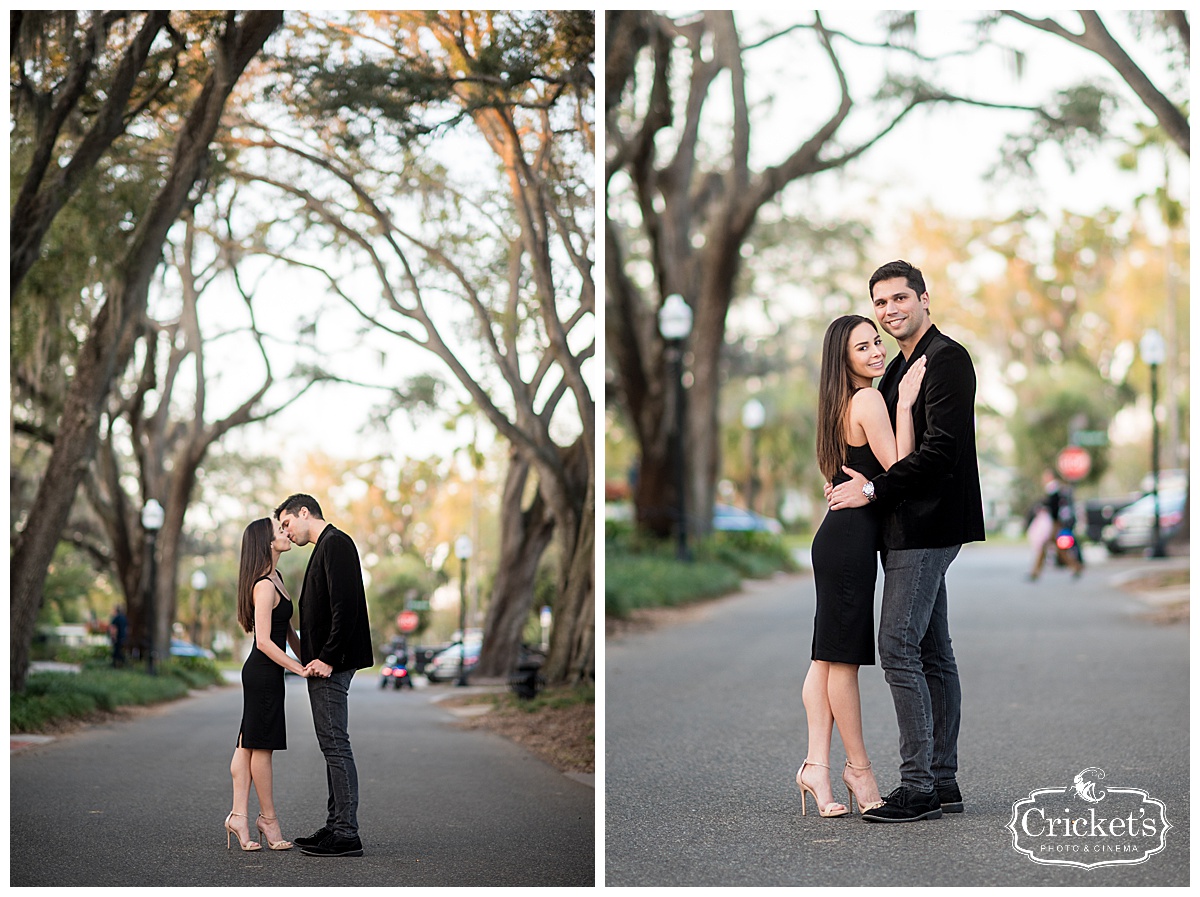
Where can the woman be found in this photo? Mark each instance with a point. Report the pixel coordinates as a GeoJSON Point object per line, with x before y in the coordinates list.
{"type": "Point", "coordinates": [853, 430]}
{"type": "Point", "coordinates": [265, 609]}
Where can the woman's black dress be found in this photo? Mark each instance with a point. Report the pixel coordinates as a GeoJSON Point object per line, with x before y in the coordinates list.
{"type": "Point", "coordinates": [262, 688]}
{"type": "Point", "coordinates": [845, 559]}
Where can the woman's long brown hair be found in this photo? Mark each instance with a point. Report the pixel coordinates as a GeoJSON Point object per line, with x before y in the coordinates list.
{"type": "Point", "coordinates": [834, 392]}
{"type": "Point", "coordinates": [256, 563]}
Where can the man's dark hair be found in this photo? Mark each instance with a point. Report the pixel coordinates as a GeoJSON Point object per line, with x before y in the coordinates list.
{"type": "Point", "coordinates": [898, 268]}
{"type": "Point", "coordinates": [293, 503]}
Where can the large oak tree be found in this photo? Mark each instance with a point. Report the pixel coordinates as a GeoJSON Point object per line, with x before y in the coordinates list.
{"type": "Point", "coordinates": [491, 273]}
{"type": "Point", "coordinates": [232, 41]}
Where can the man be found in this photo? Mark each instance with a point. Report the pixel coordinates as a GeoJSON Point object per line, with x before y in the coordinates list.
{"type": "Point", "coordinates": [1060, 517]}
{"type": "Point", "coordinates": [118, 628]}
{"type": "Point", "coordinates": [335, 641]}
{"type": "Point", "coordinates": [931, 505]}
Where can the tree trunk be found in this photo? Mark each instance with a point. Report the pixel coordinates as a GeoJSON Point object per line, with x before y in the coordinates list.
{"type": "Point", "coordinates": [573, 500]}
{"type": "Point", "coordinates": [634, 344]}
{"type": "Point", "coordinates": [572, 643]}
{"type": "Point", "coordinates": [580, 599]}
{"type": "Point", "coordinates": [97, 364]}
{"type": "Point", "coordinates": [718, 266]}
{"type": "Point", "coordinates": [166, 587]}
{"type": "Point", "coordinates": [524, 536]}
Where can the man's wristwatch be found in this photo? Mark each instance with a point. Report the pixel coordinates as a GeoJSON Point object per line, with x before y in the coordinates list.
{"type": "Point", "coordinates": [869, 490]}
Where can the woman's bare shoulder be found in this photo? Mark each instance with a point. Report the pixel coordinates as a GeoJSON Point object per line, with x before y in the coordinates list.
{"type": "Point", "coordinates": [869, 400]}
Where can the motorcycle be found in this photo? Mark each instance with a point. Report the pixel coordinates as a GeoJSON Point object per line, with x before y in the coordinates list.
{"type": "Point", "coordinates": [395, 672]}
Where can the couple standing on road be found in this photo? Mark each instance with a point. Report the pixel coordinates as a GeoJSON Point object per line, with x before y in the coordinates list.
{"type": "Point", "coordinates": [334, 642]}
{"type": "Point", "coordinates": [903, 482]}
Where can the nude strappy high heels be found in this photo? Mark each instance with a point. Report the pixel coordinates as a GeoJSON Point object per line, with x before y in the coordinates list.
{"type": "Point", "coordinates": [830, 810]}
{"type": "Point", "coordinates": [862, 808]}
{"type": "Point", "coordinates": [274, 845]}
{"type": "Point", "coordinates": [230, 830]}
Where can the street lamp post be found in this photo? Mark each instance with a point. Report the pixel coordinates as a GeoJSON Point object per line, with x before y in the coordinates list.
{"type": "Point", "coordinates": [462, 550]}
{"type": "Point", "coordinates": [199, 584]}
{"type": "Point", "coordinates": [754, 415]}
{"type": "Point", "coordinates": [675, 324]}
{"type": "Point", "coordinates": [1154, 353]}
{"type": "Point", "coordinates": [152, 521]}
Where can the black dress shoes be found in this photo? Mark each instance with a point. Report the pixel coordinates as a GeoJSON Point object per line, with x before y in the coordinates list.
{"type": "Point", "coordinates": [315, 838]}
{"type": "Point", "coordinates": [906, 805]}
{"type": "Point", "coordinates": [333, 846]}
{"type": "Point", "coordinates": [950, 798]}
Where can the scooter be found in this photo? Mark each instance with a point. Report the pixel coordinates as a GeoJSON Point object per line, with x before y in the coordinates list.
{"type": "Point", "coordinates": [1067, 547]}
{"type": "Point", "coordinates": [395, 672]}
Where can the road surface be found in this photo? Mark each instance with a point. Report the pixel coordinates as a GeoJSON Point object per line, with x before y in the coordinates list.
{"type": "Point", "coordinates": [142, 802]}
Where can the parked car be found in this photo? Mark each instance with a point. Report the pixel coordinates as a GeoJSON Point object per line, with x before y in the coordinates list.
{"type": "Point", "coordinates": [1098, 513]}
{"type": "Point", "coordinates": [180, 648]}
{"type": "Point", "coordinates": [422, 655]}
{"type": "Point", "coordinates": [1133, 526]}
{"type": "Point", "coordinates": [444, 667]}
{"type": "Point", "coordinates": [727, 518]}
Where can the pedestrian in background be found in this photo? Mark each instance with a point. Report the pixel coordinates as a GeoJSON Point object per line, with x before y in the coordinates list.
{"type": "Point", "coordinates": [118, 629]}
{"type": "Point", "coordinates": [1054, 520]}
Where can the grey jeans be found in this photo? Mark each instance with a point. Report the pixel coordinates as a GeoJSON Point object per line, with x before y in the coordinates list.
{"type": "Point", "coordinates": [330, 710]}
{"type": "Point", "coordinates": [918, 664]}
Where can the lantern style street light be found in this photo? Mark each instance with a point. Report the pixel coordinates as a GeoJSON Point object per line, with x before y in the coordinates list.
{"type": "Point", "coordinates": [1154, 353]}
{"type": "Point", "coordinates": [754, 415]}
{"type": "Point", "coordinates": [153, 517]}
{"type": "Point", "coordinates": [462, 550]}
{"type": "Point", "coordinates": [675, 325]}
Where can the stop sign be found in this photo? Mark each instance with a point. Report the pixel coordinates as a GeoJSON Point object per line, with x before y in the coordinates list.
{"type": "Point", "coordinates": [407, 620]}
{"type": "Point", "coordinates": [1074, 463]}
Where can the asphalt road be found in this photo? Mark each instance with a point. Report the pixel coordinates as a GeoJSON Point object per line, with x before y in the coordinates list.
{"type": "Point", "coordinates": [142, 802]}
{"type": "Point", "coordinates": [704, 731]}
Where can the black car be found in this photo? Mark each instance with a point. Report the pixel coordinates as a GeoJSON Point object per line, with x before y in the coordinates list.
{"type": "Point", "coordinates": [1098, 513]}
{"type": "Point", "coordinates": [445, 666]}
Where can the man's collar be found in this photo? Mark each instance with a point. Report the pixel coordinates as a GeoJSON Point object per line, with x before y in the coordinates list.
{"type": "Point", "coordinates": [922, 344]}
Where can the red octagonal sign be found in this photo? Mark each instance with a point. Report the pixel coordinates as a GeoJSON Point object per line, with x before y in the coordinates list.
{"type": "Point", "coordinates": [407, 621]}
{"type": "Point", "coordinates": [1074, 463]}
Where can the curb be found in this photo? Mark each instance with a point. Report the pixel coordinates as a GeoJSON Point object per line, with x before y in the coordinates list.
{"type": "Point", "coordinates": [20, 742]}
{"type": "Point", "coordinates": [1170, 603]}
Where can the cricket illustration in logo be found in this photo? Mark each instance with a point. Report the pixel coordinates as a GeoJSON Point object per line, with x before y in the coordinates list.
{"type": "Point", "coordinates": [1087, 789]}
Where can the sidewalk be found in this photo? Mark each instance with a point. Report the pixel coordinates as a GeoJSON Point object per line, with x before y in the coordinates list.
{"type": "Point", "coordinates": [1163, 584]}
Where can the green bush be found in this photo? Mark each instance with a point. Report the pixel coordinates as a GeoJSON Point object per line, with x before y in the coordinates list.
{"type": "Point", "coordinates": [755, 555]}
{"type": "Point", "coordinates": [555, 698]}
{"type": "Point", "coordinates": [196, 672]}
{"type": "Point", "coordinates": [635, 581]}
{"type": "Point", "coordinates": [87, 654]}
{"type": "Point", "coordinates": [34, 713]}
{"type": "Point", "coordinates": [618, 533]}
{"type": "Point", "coordinates": [641, 572]}
{"type": "Point", "coordinates": [54, 697]}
